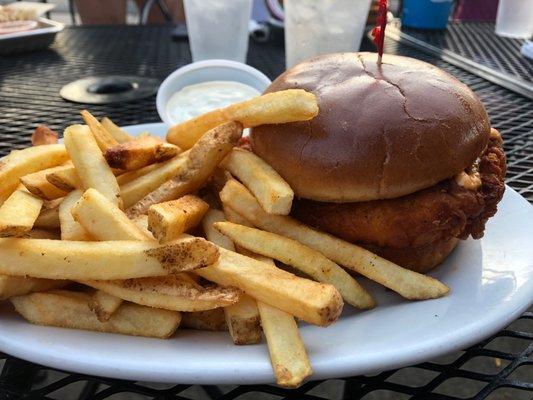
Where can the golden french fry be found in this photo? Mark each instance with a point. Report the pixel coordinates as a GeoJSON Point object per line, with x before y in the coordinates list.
{"type": "Point", "coordinates": [270, 189]}
{"type": "Point", "coordinates": [103, 220]}
{"type": "Point", "coordinates": [65, 178]}
{"type": "Point", "coordinates": [168, 292]}
{"type": "Point", "coordinates": [18, 285]}
{"type": "Point", "coordinates": [129, 176]}
{"type": "Point", "coordinates": [90, 163]}
{"type": "Point", "coordinates": [114, 130]}
{"type": "Point", "coordinates": [70, 229]}
{"type": "Point", "coordinates": [139, 153]}
{"type": "Point", "coordinates": [19, 213]}
{"type": "Point", "coordinates": [43, 135]}
{"type": "Point", "coordinates": [272, 108]}
{"type": "Point", "coordinates": [104, 139]}
{"type": "Point", "coordinates": [301, 257]}
{"type": "Point", "coordinates": [62, 259]}
{"type": "Point", "coordinates": [167, 221]}
{"type": "Point", "coordinates": [287, 352]}
{"type": "Point", "coordinates": [409, 284]}
{"type": "Point", "coordinates": [23, 162]}
{"type": "Point", "coordinates": [316, 303]}
{"type": "Point", "coordinates": [202, 160]}
{"type": "Point", "coordinates": [209, 320]}
{"type": "Point", "coordinates": [65, 309]}
{"type": "Point", "coordinates": [38, 184]}
{"type": "Point", "coordinates": [138, 188]}
{"type": "Point", "coordinates": [104, 305]}
{"type": "Point", "coordinates": [49, 216]}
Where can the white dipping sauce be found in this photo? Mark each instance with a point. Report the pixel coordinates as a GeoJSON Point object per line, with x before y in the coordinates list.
{"type": "Point", "coordinates": [200, 98]}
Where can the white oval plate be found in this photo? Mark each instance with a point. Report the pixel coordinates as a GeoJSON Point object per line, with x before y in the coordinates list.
{"type": "Point", "coordinates": [491, 281]}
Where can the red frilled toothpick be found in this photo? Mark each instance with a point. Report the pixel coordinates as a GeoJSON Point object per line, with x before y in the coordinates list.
{"type": "Point", "coordinates": [379, 30]}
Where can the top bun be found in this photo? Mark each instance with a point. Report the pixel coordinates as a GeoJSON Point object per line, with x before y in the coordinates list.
{"type": "Point", "coordinates": [380, 132]}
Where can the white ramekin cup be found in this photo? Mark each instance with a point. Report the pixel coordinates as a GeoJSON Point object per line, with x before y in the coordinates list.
{"type": "Point", "coordinates": [204, 71]}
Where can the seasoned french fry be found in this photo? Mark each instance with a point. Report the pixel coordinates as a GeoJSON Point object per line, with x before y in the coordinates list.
{"type": "Point", "coordinates": [49, 216]}
{"type": "Point", "coordinates": [18, 285]}
{"type": "Point", "coordinates": [271, 191]}
{"type": "Point", "coordinates": [316, 303]}
{"type": "Point", "coordinates": [119, 134]}
{"type": "Point", "coordinates": [136, 189]}
{"type": "Point", "coordinates": [90, 163]}
{"type": "Point", "coordinates": [287, 352]}
{"type": "Point", "coordinates": [38, 184]}
{"type": "Point", "coordinates": [43, 135]}
{"type": "Point", "coordinates": [409, 284]}
{"type": "Point", "coordinates": [168, 292]}
{"type": "Point", "coordinates": [104, 220]}
{"type": "Point", "coordinates": [202, 160]}
{"type": "Point", "coordinates": [65, 309]}
{"type": "Point", "coordinates": [167, 221]}
{"type": "Point", "coordinates": [62, 259]}
{"type": "Point", "coordinates": [19, 213]}
{"type": "Point", "coordinates": [139, 153]}
{"type": "Point", "coordinates": [210, 320]}
{"type": "Point", "coordinates": [301, 257]}
{"type": "Point", "coordinates": [70, 229]}
{"type": "Point", "coordinates": [104, 139]}
{"type": "Point", "coordinates": [272, 108]}
{"type": "Point", "coordinates": [65, 178]}
{"type": "Point", "coordinates": [104, 305]}
{"type": "Point", "coordinates": [129, 176]}
{"type": "Point", "coordinates": [23, 162]}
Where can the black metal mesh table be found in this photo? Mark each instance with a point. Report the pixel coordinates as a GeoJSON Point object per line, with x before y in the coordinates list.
{"type": "Point", "coordinates": [497, 368]}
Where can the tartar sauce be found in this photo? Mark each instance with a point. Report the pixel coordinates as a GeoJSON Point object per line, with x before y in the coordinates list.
{"type": "Point", "coordinates": [198, 99]}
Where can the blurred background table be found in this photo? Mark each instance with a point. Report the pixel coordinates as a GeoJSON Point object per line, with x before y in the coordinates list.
{"type": "Point", "coordinates": [500, 367]}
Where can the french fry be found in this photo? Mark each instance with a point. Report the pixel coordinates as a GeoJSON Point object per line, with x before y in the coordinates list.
{"type": "Point", "coordinates": [168, 220]}
{"type": "Point", "coordinates": [142, 223]}
{"type": "Point", "coordinates": [136, 189]}
{"type": "Point", "coordinates": [19, 213]}
{"type": "Point", "coordinates": [129, 176]}
{"type": "Point", "coordinates": [18, 285]}
{"type": "Point", "coordinates": [104, 305]}
{"type": "Point", "coordinates": [75, 260]}
{"type": "Point", "coordinates": [38, 184]}
{"type": "Point", "coordinates": [317, 303]}
{"type": "Point", "coordinates": [65, 178]}
{"type": "Point", "coordinates": [168, 292]}
{"type": "Point", "coordinates": [43, 135]}
{"type": "Point", "coordinates": [70, 229]}
{"type": "Point", "coordinates": [242, 318]}
{"type": "Point", "coordinates": [409, 284]}
{"type": "Point", "coordinates": [271, 191]}
{"type": "Point", "coordinates": [23, 162]}
{"type": "Point", "coordinates": [114, 130]}
{"type": "Point", "coordinates": [272, 108]}
{"type": "Point", "coordinates": [103, 220]}
{"type": "Point", "coordinates": [301, 257]}
{"type": "Point", "coordinates": [287, 352]}
{"type": "Point", "coordinates": [139, 153]}
{"type": "Point", "coordinates": [49, 216]}
{"type": "Point", "coordinates": [65, 309]}
{"type": "Point", "coordinates": [104, 139]}
{"type": "Point", "coordinates": [210, 320]}
{"type": "Point", "coordinates": [90, 163]}
{"type": "Point", "coordinates": [202, 160]}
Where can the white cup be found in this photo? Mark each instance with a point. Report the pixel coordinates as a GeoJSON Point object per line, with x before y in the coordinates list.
{"type": "Point", "coordinates": [314, 27]}
{"type": "Point", "coordinates": [218, 28]}
{"type": "Point", "coordinates": [515, 18]}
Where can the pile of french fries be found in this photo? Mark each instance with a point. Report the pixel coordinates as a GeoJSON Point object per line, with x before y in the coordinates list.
{"type": "Point", "coordinates": [138, 236]}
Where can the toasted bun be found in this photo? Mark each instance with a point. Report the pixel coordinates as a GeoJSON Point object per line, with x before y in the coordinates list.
{"type": "Point", "coordinates": [380, 133]}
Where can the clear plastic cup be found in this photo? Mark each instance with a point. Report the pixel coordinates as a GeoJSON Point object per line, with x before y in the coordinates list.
{"type": "Point", "coordinates": [314, 27]}
{"type": "Point", "coordinates": [218, 28]}
{"type": "Point", "coordinates": [515, 18]}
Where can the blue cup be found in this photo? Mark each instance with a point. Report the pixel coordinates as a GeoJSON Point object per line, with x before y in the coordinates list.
{"type": "Point", "coordinates": [426, 14]}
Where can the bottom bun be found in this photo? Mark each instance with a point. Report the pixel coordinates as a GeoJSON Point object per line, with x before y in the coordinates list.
{"type": "Point", "coordinates": [420, 259]}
